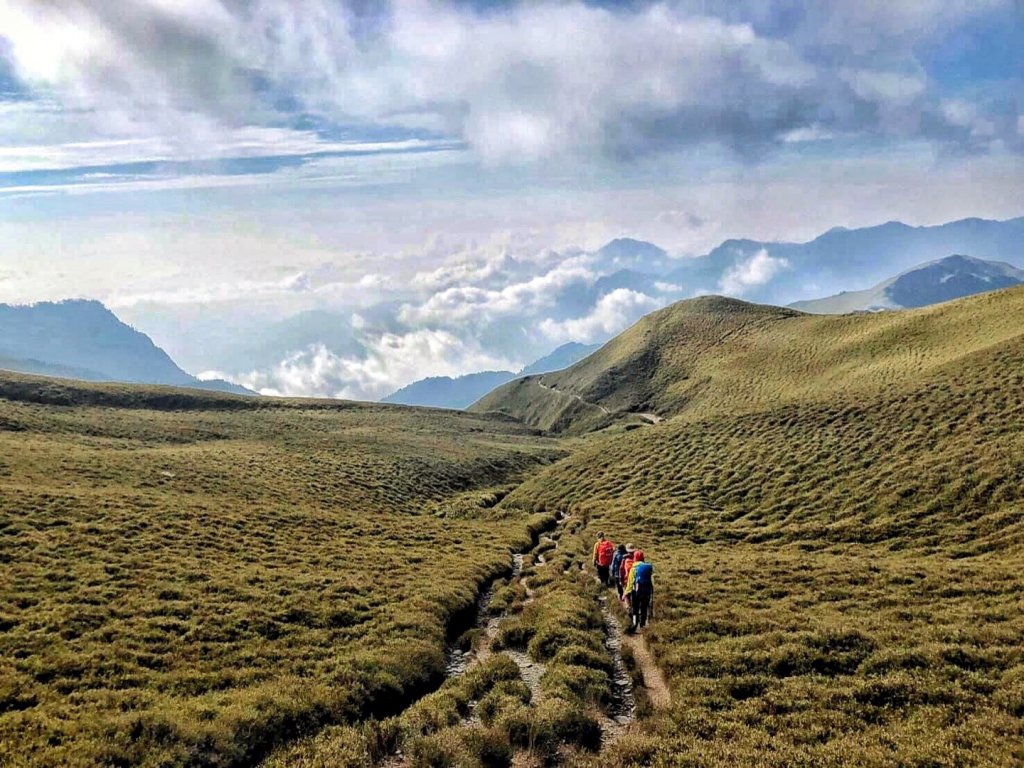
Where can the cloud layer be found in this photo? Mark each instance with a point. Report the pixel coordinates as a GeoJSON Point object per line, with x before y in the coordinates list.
{"type": "Point", "coordinates": [522, 81]}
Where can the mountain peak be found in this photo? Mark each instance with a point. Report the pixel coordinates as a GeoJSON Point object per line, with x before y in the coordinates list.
{"type": "Point", "coordinates": [932, 282]}
{"type": "Point", "coordinates": [83, 338]}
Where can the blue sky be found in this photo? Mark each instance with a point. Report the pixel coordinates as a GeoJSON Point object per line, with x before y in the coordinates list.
{"type": "Point", "coordinates": [202, 158]}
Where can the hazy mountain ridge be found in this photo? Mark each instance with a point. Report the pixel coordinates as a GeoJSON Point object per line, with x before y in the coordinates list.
{"type": "Point", "coordinates": [85, 340]}
{"type": "Point", "coordinates": [523, 300]}
{"type": "Point", "coordinates": [942, 280]}
{"type": "Point", "coordinates": [449, 392]}
{"type": "Point", "coordinates": [460, 392]}
{"type": "Point", "coordinates": [566, 355]}
{"type": "Point", "coordinates": [841, 257]}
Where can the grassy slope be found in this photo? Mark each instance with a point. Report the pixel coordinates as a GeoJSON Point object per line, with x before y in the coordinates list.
{"type": "Point", "coordinates": [836, 516]}
{"type": "Point", "coordinates": [194, 577]}
{"type": "Point", "coordinates": [714, 355]}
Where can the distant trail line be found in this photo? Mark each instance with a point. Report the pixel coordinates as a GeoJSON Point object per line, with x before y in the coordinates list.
{"type": "Point", "coordinates": [601, 408]}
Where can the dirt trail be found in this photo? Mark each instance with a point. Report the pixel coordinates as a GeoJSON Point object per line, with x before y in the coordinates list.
{"type": "Point", "coordinates": [650, 418]}
{"type": "Point", "coordinates": [622, 713]}
{"type": "Point", "coordinates": [601, 408]}
{"type": "Point", "coordinates": [654, 681]}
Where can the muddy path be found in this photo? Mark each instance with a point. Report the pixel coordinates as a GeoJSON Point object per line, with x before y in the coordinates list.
{"type": "Point", "coordinates": [622, 711]}
{"type": "Point", "coordinates": [620, 715]}
{"type": "Point", "coordinates": [459, 661]}
{"type": "Point", "coordinates": [658, 692]}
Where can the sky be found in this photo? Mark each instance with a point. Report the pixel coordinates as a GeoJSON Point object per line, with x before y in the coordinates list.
{"type": "Point", "coordinates": [211, 169]}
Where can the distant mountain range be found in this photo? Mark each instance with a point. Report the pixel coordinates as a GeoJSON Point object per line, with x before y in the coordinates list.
{"type": "Point", "coordinates": [524, 301]}
{"type": "Point", "coordinates": [85, 340]}
{"type": "Point", "coordinates": [462, 391]}
{"type": "Point", "coordinates": [943, 280]}
{"type": "Point", "coordinates": [583, 296]}
{"type": "Point", "coordinates": [781, 273]}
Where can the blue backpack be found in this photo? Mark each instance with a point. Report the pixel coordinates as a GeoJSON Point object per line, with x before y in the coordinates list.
{"type": "Point", "coordinates": [643, 576]}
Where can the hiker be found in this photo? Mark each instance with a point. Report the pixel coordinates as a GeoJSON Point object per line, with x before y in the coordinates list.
{"type": "Point", "coordinates": [604, 550]}
{"type": "Point", "coordinates": [627, 562]}
{"type": "Point", "coordinates": [641, 586]}
{"type": "Point", "coordinates": [616, 569]}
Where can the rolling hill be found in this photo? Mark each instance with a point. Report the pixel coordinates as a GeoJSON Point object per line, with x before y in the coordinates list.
{"type": "Point", "coordinates": [943, 280]}
{"type": "Point", "coordinates": [717, 355]}
{"type": "Point", "coordinates": [85, 340]}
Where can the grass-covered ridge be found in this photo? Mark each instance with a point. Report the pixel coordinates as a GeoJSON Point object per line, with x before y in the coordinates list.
{"type": "Point", "coordinates": [188, 578]}
{"type": "Point", "coordinates": [713, 355]}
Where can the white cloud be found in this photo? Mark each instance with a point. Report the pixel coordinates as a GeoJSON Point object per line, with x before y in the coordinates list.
{"type": "Point", "coordinates": [190, 74]}
{"type": "Point", "coordinates": [613, 313]}
{"type": "Point", "coordinates": [244, 142]}
{"type": "Point", "coordinates": [469, 303]}
{"type": "Point", "coordinates": [392, 360]}
{"type": "Point", "coordinates": [755, 271]}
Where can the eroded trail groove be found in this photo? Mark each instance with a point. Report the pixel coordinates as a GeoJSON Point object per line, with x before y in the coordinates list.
{"type": "Point", "coordinates": [459, 661]}
{"type": "Point", "coordinates": [623, 707]}
{"type": "Point", "coordinates": [655, 686]}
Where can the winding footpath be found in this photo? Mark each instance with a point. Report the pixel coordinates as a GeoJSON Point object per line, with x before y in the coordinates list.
{"type": "Point", "coordinates": [621, 714]}
{"type": "Point", "coordinates": [601, 408]}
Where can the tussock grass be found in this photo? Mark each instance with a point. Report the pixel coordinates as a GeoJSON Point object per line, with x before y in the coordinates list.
{"type": "Point", "coordinates": [195, 578]}
{"type": "Point", "coordinates": [713, 356]}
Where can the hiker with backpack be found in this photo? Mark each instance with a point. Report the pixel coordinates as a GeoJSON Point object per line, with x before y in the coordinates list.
{"type": "Point", "coordinates": [640, 587]}
{"type": "Point", "coordinates": [616, 569]}
{"type": "Point", "coordinates": [627, 562]}
{"type": "Point", "coordinates": [604, 551]}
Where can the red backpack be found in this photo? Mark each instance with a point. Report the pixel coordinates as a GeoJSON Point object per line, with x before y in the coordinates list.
{"type": "Point", "coordinates": [605, 553]}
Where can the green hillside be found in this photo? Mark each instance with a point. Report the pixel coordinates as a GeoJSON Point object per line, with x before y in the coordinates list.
{"type": "Point", "coordinates": [722, 356]}
{"type": "Point", "coordinates": [836, 518]}
{"type": "Point", "coordinates": [190, 578]}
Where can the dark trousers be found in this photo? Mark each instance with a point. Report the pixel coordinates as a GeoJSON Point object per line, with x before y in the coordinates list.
{"type": "Point", "coordinates": [641, 606]}
{"type": "Point", "coordinates": [602, 574]}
